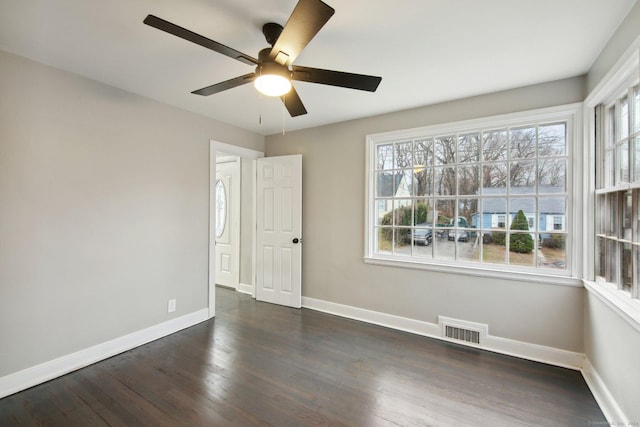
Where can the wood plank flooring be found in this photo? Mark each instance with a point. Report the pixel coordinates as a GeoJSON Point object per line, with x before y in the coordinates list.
{"type": "Point", "coordinates": [258, 364]}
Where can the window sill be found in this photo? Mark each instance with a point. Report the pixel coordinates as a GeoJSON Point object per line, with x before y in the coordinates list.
{"type": "Point", "coordinates": [623, 305]}
{"type": "Point", "coordinates": [547, 279]}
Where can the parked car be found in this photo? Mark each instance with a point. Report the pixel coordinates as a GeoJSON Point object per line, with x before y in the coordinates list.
{"type": "Point", "coordinates": [422, 236]}
{"type": "Point", "coordinates": [460, 235]}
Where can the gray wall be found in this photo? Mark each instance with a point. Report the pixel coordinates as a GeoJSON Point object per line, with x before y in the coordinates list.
{"type": "Point", "coordinates": [612, 345]}
{"type": "Point", "coordinates": [628, 31]}
{"type": "Point", "coordinates": [104, 207]}
{"type": "Point", "coordinates": [333, 230]}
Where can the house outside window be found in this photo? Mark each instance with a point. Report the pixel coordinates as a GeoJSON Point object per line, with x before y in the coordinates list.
{"type": "Point", "coordinates": [474, 194]}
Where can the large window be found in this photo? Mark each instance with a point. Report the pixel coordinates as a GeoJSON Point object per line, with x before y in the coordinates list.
{"type": "Point", "coordinates": [484, 193]}
{"type": "Point", "coordinates": [618, 189]}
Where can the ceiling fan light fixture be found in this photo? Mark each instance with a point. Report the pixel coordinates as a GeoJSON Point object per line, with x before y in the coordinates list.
{"type": "Point", "coordinates": [272, 79]}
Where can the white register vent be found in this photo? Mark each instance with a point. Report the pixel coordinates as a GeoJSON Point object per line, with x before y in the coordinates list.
{"type": "Point", "coordinates": [462, 331]}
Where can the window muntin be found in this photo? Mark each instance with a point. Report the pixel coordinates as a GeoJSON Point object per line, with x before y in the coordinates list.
{"type": "Point", "coordinates": [617, 219]}
{"type": "Point", "coordinates": [466, 187]}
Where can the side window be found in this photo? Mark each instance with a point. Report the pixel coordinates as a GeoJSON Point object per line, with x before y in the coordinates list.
{"type": "Point", "coordinates": [617, 257]}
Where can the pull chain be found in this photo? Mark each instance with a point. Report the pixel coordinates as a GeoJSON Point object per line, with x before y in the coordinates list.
{"type": "Point", "coordinates": [283, 109]}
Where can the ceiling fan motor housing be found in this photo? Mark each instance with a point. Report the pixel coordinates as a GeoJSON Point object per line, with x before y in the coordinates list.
{"type": "Point", "coordinates": [271, 32]}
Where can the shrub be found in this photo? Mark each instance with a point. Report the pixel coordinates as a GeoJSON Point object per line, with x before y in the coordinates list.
{"type": "Point", "coordinates": [498, 238]}
{"type": "Point", "coordinates": [520, 242]}
{"type": "Point", "coordinates": [403, 218]}
{"type": "Point", "coordinates": [556, 241]}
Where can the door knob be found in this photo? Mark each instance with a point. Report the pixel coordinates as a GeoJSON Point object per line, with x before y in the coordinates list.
{"type": "Point", "coordinates": [296, 241]}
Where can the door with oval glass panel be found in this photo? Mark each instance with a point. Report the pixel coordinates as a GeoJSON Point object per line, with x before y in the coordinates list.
{"type": "Point", "coordinates": [227, 228]}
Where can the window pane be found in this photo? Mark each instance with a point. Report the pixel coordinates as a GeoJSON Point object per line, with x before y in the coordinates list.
{"type": "Point", "coordinates": [552, 175]}
{"type": "Point", "coordinates": [403, 155]}
{"type": "Point", "coordinates": [386, 184]}
{"type": "Point", "coordinates": [494, 178]}
{"type": "Point", "coordinates": [469, 148]}
{"type": "Point", "coordinates": [528, 207]}
{"type": "Point", "coordinates": [467, 210]}
{"type": "Point", "coordinates": [384, 240]}
{"type": "Point", "coordinates": [612, 261]}
{"type": "Point", "coordinates": [612, 215]}
{"type": "Point", "coordinates": [626, 269]}
{"type": "Point", "coordinates": [442, 247]}
{"type": "Point", "coordinates": [444, 181]}
{"type": "Point", "coordinates": [636, 109]}
{"type": "Point", "coordinates": [610, 170]}
{"type": "Point", "coordinates": [601, 207]}
{"type": "Point", "coordinates": [494, 145]}
{"type": "Point", "coordinates": [627, 205]}
{"type": "Point", "coordinates": [494, 222]}
{"type": "Point", "coordinates": [552, 212]}
{"type": "Point", "coordinates": [523, 143]}
{"type": "Point", "coordinates": [622, 157]}
{"type": "Point", "coordinates": [383, 212]}
{"type": "Point", "coordinates": [624, 118]}
{"type": "Point", "coordinates": [446, 210]}
{"type": "Point", "coordinates": [522, 175]}
{"type": "Point", "coordinates": [494, 250]}
{"type": "Point", "coordinates": [422, 237]}
{"type": "Point", "coordinates": [405, 185]}
{"type": "Point", "coordinates": [636, 209]}
{"type": "Point", "coordinates": [466, 249]}
{"type": "Point", "coordinates": [609, 147]}
{"type": "Point", "coordinates": [636, 158]}
{"type": "Point", "coordinates": [423, 213]}
{"type": "Point", "coordinates": [402, 241]}
{"type": "Point", "coordinates": [552, 140]}
{"type": "Point", "coordinates": [553, 253]}
{"type": "Point", "coordinates": [423, 182]}
{"type": "Point", "coordinates": [445, 150]}
{"type": "Point", "coordinates": [522, 249]}
{"type": "Point", "coordinates": [601, 257]}
{"type": "Point", "coordinates": [468, 179]}
{"type": "Point", "coordinates": [403, 212]}
{"type": "Point", "coordinates": [384, 157]}
{"type": "Point", "coordinates": [423, 153]}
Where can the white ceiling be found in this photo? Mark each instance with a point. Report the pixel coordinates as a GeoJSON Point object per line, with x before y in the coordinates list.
{"type": "Point", "coordinates": [426, 51]}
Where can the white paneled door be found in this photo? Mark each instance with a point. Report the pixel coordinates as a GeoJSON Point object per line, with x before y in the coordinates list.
{"type": "Point", "coordinates": [279, 230]}
{"type": "Point", "coordinates": [227, 232]}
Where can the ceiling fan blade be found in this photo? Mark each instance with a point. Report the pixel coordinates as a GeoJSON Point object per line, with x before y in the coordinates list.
{"type": "Point", "coordinates": [293, 103]}
{"type": "Point", "coordinates": [188, 35]}
{"type": "Point", "coordinates": [228, 84]}
{"type": "Point", "coordinates": [308, 17]}
{"type": "Point", "coordinates": [336, 78]}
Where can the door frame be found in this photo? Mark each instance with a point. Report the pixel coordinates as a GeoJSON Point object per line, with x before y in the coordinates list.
{"type": "Point", "coordinates": [244, 153]}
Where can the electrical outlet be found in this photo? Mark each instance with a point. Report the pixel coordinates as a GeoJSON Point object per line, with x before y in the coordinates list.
{"type": "Point", "coordinates": [171, 306]}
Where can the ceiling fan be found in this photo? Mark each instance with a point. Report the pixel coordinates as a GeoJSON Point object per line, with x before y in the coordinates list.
{"type": "Point", "coordinates": [274, 70]}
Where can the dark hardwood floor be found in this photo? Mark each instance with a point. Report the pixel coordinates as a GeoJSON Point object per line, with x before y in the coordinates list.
{"type": "Point", "coordinates": [262, 364]}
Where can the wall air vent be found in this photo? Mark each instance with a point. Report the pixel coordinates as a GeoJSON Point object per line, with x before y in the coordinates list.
{"type": "Point", "coordinates": [462, 334]}
{"type": "Point", "coordinates": [468, 333]}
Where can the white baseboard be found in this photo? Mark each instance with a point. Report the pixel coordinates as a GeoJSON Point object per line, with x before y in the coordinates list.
{"type": "Point", "coordinates": [245, 289]}
{"type": "Point", "coordinates": [534, 352]}
{"type": "Point", "coordinates": [610, 408]}
{"type": "Point", "coordinates": [43, 372]}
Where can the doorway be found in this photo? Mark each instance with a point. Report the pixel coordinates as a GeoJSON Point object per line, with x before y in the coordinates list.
{"type": "Point", "coordinates": [239, 220]}
{"type": "Point", "coordinates": [270, 224]}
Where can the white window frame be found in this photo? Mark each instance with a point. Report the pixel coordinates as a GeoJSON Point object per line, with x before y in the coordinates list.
{"type": "Point", "coordinates": [572, 114]}
{"type": "Point", "coordinates": [622, 73]}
